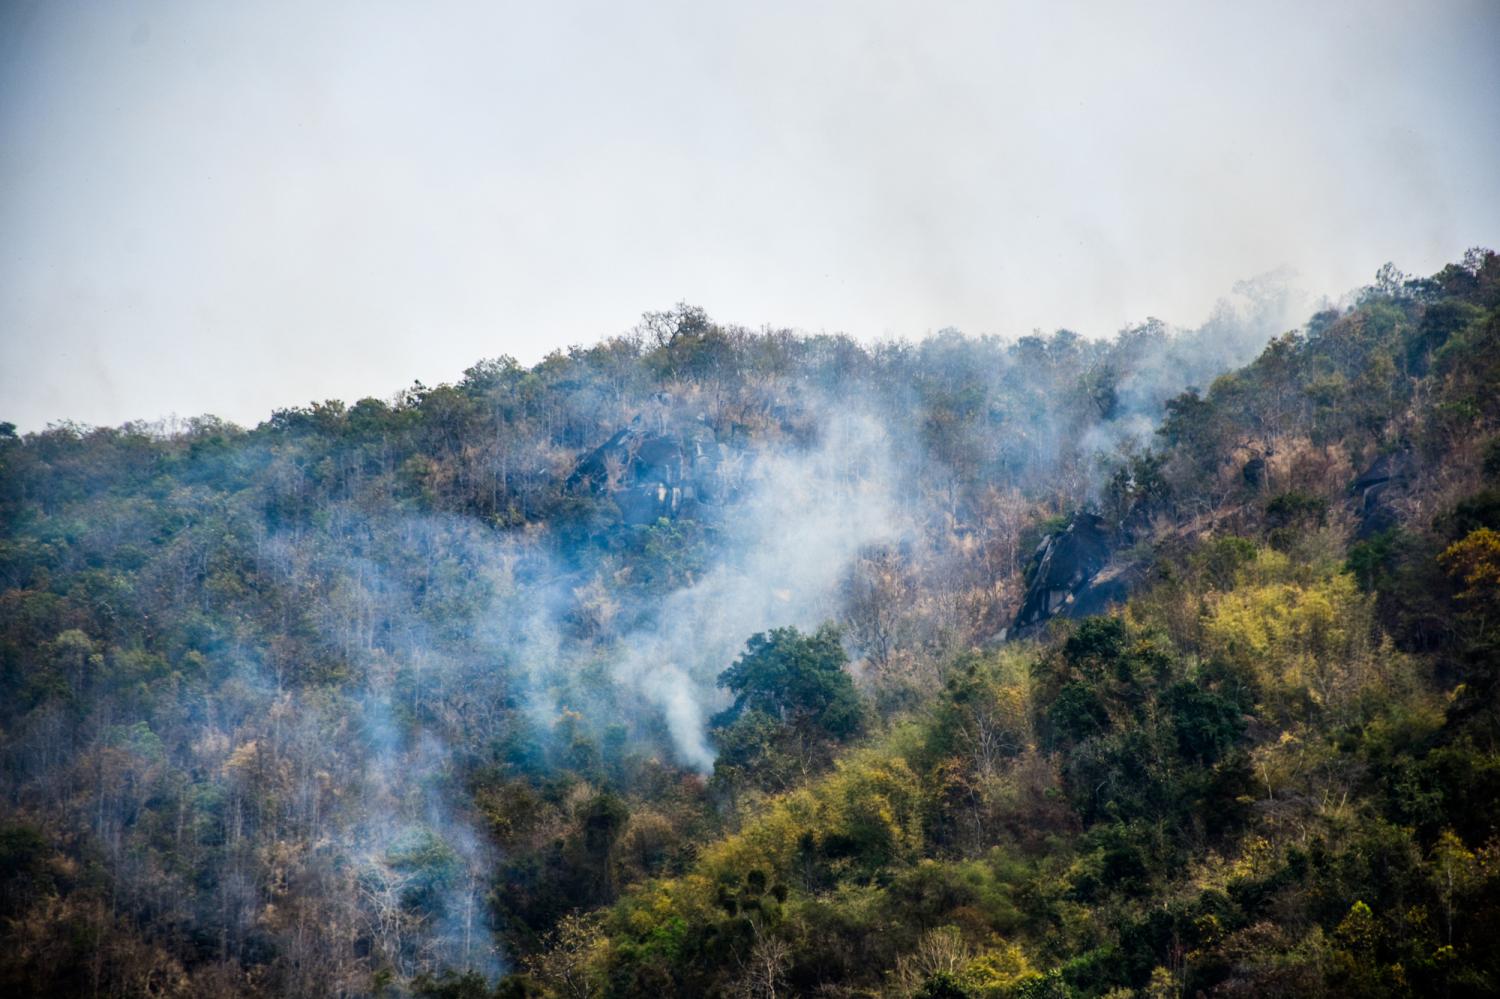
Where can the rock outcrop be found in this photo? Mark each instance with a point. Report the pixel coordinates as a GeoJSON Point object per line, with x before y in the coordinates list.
{"type": "Point", "coordinates": [650, 475]}
{"type": "Point", "coordinates": [1071, 575]}
{"type": "Point", "coordinates": [1374, 489]}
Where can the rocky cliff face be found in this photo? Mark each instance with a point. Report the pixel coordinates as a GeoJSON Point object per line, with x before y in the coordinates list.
{"type": "Point", "coordinates": [651, 475]}
{"type": "Point", "coordinates": [1075, 573]}
{"type": "Point", "coordinates": [1376, 487]}
{"type": "Point", "coordinates": [1072, 575]}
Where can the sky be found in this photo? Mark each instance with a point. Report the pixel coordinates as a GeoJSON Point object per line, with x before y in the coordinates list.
{"type": "Point", "coordinates": [230, 208]}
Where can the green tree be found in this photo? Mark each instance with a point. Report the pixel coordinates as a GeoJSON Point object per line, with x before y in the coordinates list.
{"type": "Point", "coordinates": [798, 679]}
{"type": "Point", "coordinates": [793, 701]}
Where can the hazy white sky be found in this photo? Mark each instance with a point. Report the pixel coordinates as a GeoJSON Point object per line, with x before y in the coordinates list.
{"type": "Point", "coordinates": [230, 207]}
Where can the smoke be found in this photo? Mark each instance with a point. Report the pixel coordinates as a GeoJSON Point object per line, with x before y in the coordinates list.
{"type": "Point", "coordinates": [415, 851]}
{"type": "Point", "coordinates": [440, 621]}
{"type": "Point", "coordinates": [470, 612]}
{"type": "Point", "coordinates": [401, 601]}
{"type": "Point", "coordinates": [785, 546]}
{"type": "Point", "coordinates": [1155, 362]}
{"type": "Point", "coordinates": [350, 659]}
{"type": "Point", "coordinates": [446, 620]}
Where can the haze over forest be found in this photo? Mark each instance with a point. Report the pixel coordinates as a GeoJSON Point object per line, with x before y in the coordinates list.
{"type": "Point", "coordinates": [659, 639]}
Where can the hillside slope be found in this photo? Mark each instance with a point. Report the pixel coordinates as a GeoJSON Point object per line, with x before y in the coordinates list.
{"type": "Point", "coordinates": [711, 662]}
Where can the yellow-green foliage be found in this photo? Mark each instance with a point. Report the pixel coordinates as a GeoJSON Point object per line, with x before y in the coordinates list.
{"type": "Point", "coordinates": [996, 970]}
{"type": "Point", "coordinates": [1304, 633]}
{"type": "Point", "coordinates": [991, 970]}
{"type": "Point", "coordinates": [870, 804]}
{"type": "Point", "coordinates": [1475, 561]}
{"type": "Point", "coordinates": [870, 799]}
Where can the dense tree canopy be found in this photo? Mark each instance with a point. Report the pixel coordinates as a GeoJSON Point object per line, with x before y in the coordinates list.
{"type": "Point", "coordinates": [692, 663]}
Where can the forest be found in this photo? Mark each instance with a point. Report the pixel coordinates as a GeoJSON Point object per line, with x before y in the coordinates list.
{"type": "Point", "coordinates": [715, 661]}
